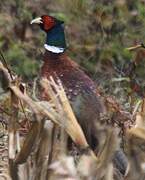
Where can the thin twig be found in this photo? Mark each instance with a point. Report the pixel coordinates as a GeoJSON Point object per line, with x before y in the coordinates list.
{"type": "Point", "coordinates": [10, 73]}
{"type": "Point", "coordinates": [4, 111]}
{"type": "Point", "coordinates": [6, 65]}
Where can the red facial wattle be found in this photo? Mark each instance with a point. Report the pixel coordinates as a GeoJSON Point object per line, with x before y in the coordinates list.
{"type": "Point", "coordinates": [48, 22]}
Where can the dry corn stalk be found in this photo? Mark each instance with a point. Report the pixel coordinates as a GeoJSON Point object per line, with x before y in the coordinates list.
{"type": "Point", "coordinates": [135, 138]}
{"type": "Point", "coordinates": [60, 106]}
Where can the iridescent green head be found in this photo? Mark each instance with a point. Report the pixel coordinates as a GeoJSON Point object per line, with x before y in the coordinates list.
{"type": "Point", "coordinates": [54, 29]}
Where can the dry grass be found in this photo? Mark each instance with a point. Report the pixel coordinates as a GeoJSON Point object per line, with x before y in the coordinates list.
{"type": "Point", "coordinates": [43, 152]}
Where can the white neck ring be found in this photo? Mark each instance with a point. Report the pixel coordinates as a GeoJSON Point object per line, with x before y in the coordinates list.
{"type": "Point", "coordinates": [53, 49]}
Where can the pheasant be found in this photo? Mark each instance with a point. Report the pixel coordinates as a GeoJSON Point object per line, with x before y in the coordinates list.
{"type": "Point", "coordinates": [80, 89]}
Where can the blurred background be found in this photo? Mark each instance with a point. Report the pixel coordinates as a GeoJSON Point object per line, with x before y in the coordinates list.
{"type": "Point", "coordinates": [97, 32]}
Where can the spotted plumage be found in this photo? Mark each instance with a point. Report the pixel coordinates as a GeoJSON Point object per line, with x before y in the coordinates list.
{"type": "Point", "coordinates": [80, 90]}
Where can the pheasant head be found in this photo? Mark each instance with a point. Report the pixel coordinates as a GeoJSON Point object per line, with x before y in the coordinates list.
{"type": "Point", "coordinates": [54, 29]}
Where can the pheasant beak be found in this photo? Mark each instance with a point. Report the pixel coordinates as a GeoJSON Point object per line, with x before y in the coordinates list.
{"type": "Point", "coordinates": [37, 20]}
{"type": "Point", "coordinates": [134, 47]}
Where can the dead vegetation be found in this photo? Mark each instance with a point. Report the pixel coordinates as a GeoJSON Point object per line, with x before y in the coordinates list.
{"type": "Point", "coordinates": [38, 149]}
